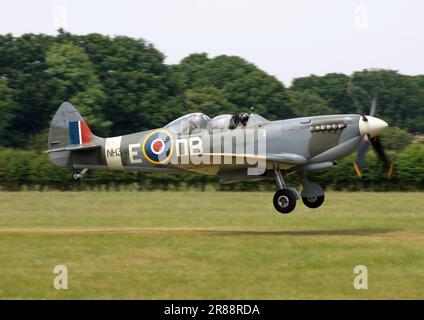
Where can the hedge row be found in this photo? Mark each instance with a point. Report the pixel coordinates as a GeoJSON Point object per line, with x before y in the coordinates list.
{"type": "Point", "coordinates": [26, 169]}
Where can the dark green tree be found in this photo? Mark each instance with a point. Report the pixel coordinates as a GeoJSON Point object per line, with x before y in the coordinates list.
{"type": "Point", "coordinates": [242, 83]}
{"type": "Point", "coordinates": [22, 63]}
{"type": "Point", "coordinates": [140, 94]}
{"type": "Point", "coordinates": [395, 138]}
{"type": "Point", "coordinates": [208, 100]}
{"type": "Point", "coordinates": [72, 78]}
{"type": "Point", "coordinates": [332, 87]}
{"type": "Point", "coordinates": [306, 103]}
{"type": "Point", "coordinates": [7, 108]}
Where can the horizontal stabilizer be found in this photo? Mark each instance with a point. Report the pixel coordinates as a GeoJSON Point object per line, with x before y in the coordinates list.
{"type": "Point", "coordinates": [77, 147]}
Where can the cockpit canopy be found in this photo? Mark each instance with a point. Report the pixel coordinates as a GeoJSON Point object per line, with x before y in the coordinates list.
{"type": "Point", "coordinates": [189, 123]}
{"type": "Point", "coordinates": [195, 122]}
{"type": "Point", "coordinates": [222, 122]}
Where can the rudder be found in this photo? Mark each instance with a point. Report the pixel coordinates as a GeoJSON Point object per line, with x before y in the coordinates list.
{"type": "Point", "coordinates": [68, 132]}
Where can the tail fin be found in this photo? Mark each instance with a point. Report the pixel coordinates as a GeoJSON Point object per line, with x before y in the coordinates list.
{"type": "Point", "coordinates": [68, 132]}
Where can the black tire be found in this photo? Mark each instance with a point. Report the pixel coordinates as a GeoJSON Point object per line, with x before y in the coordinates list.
{"type": "Point", "coordinates": [285, 201]}
{"type": "Point", "coordinates": [75, 178]}
{"type": "Point", "coordinates": [313, 202]}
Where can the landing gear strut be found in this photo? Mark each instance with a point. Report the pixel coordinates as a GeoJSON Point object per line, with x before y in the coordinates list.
{"type": "Point", "coordinates": [285, 198]}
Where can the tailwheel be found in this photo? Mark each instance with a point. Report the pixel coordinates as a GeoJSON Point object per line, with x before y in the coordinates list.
{"type": "Point", "coordinates": [285, 200]}
{"type": "Point", "coordinates": [77, 176]}
{"type": "Point", "coordinates": [313, 202]}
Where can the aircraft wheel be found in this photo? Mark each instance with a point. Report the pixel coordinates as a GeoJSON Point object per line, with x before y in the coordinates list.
{"type": "Point", "coordinates": [76, 177]}
{"type": "Point", "coordinates": [313, 202]}
{"type": "Point", "coordinates": [285, 201]}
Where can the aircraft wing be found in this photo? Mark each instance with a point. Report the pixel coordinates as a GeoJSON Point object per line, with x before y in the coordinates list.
{"type": "Point", "coordinates": [228, 162]}
{"type": "Point", "coordinates": [288, 158]}
{"type": "Point", "coordinates": [232, 174]}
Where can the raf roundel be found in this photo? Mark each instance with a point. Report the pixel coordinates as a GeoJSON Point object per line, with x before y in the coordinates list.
{"type": "Point", "coordinates": [158, 146]}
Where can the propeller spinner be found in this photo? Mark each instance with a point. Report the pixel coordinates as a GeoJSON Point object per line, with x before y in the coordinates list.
{"type": "Point", "coordinates": [370, 127]}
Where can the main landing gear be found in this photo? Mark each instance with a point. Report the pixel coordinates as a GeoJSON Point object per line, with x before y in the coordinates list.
{"type": "Point", "coordinates": [313, 202]}
{"type": "Point", "coordinates": [285, 198]}
{"type": "Point", "coordinates": [312, 193]}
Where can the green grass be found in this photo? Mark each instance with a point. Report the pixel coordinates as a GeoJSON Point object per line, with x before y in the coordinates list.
{"type": "Point", "coordinates": [214, 245]}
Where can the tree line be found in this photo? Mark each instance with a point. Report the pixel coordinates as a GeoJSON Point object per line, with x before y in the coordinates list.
{"type": "Point", "coordinates": [122, 85]}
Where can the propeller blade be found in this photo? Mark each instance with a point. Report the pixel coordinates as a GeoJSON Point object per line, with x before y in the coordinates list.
{"type": "Point", "coordinates": [378, 147]}
{"type": "Point", "coordinates": [375, 141]}
{"type": "Point", "coordinates": [360, 158]}
{"type": "Point", "coordinates": [354, 97]}
{"type": "Point", "coordinates": [373, 105]}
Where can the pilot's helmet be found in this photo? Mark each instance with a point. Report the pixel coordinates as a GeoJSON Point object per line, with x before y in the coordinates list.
{"type": "Point", "coordinates": [243, 118]}
{"type": "Point", "coordinates": [194, 122]}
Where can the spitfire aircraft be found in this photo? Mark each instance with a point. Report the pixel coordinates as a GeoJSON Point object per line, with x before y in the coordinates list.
{"type": "Point", "coordinates": [236, 148]}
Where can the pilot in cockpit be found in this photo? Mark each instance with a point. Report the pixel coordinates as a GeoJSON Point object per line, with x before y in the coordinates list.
{"type": "Point", "coordinates": [242, 120]}
{"type": "Point", "coordinates": [194, 123]}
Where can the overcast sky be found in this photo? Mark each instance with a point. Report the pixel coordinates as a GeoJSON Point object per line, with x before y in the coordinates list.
{"type": "Point", "coordinates": [287, 39]}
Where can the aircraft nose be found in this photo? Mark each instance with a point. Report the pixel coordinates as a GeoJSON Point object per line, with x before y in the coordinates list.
{"type": "Point", "coordinates": [372, 127]}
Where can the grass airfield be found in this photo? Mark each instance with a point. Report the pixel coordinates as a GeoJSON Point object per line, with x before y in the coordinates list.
{"type": "Point", "coordinates": [210, 245]}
